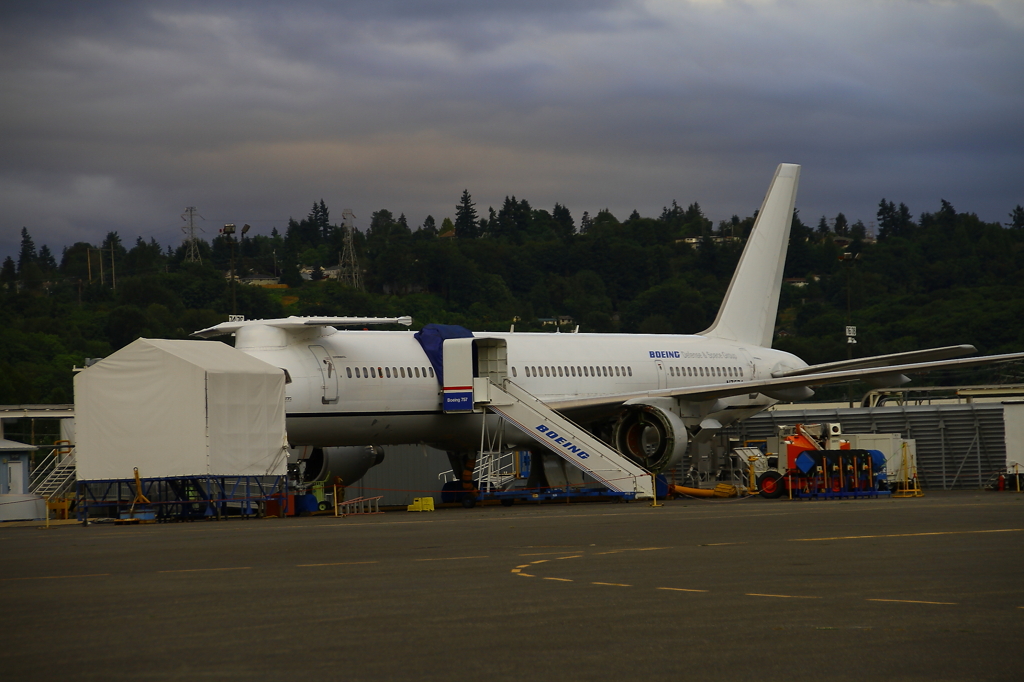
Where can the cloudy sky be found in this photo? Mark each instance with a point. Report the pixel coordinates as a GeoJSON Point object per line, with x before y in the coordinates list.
{"type": "Point", "coordinates": [116, 116]}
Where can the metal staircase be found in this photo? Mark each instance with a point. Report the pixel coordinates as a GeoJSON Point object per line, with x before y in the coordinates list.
{"type": "Point", "coordinates": [58, 481]}
{"type": "Point", "coordinates": [567, 439]}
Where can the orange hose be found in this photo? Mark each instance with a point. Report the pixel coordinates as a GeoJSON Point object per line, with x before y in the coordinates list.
{"type": "Point", "coordinates": [693, 492]}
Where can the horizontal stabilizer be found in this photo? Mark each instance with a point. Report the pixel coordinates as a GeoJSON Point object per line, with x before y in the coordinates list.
{"type": "Point", "coordinates": [294, 323]}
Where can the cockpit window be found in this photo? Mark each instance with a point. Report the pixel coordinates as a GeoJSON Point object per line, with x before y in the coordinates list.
{"type": "Point", "coordinates": [287, 376]}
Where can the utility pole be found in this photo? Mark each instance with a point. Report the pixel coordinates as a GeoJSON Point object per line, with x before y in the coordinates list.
{"type": "Point", "coordinates": [849, 259]}
{"type": "Point", "coordinates": [229, 231]}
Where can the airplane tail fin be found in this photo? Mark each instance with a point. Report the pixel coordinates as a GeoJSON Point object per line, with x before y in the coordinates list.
{"type": "Point", "coordinates": [751, 303]}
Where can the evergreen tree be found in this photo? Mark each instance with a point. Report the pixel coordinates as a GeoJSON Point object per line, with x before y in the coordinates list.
{"type": "Point", "coordinates": [320, 219]}
{"type": "Point", "coordinates": [466, 217]}
{"type": "Point", "coordinates": [382, 224]}
{"type": "Point", "coordinates": [27, 254]}
{"type": "Point", "coordinates": [842, 227]}
{"type": "Point", "coordinates": [564, 225]}
{"type": "Point", "coordinates": [673, 216]}
{"type": "Point", "coordinates": [46, 261]}
{"type": "Point", "coordinates": [893, 221]}
{"type": "Point", "coordinates": [428, 228]}
{"type": "Point", "coordinates": [8, 273]}
{"type": "Point", "coordinates": [823, 229]}
{"type": "Point", "coordinates": [586, 222]}
{"type": "Point", "coordinates": [858, 231]}
{"type": "Point", "coordinates": [1016, 218]}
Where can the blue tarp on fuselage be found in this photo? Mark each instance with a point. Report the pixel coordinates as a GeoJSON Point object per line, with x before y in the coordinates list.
{"type": "Point", "coordinates": [431, 339]}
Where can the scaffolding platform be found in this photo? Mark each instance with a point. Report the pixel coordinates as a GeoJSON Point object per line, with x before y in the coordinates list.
{"type": "Point", "coordinates": [185, 498]}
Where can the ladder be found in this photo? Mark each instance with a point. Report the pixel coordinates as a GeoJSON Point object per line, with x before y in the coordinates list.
{"type": "Point", "coordinates": [59, 480]}
{"type": "Point", "coordinates": [563, 437]}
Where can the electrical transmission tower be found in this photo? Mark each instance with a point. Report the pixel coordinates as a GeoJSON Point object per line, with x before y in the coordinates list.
{"type": "Point", "coordinates": [192, 253]}
{"type": "Point", "coordinates": [349, 266]}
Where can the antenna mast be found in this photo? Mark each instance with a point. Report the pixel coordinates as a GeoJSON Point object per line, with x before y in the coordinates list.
{"type": "Point", "coordinates": [192, 253]}
{"type": "Point", "coordinates": [349, 266]}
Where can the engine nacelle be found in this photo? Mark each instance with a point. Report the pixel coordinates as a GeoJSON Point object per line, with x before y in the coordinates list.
{"type": "Point", "coordinates": [350, 463]}
{"type": "Point", "coordinates": [652, 436]}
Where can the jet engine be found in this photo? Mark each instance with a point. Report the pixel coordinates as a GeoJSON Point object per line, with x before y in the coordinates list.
{"type": "Point", "coordinates": [653, 437]}
{"type": "Point", "coordinates": [350, 463]}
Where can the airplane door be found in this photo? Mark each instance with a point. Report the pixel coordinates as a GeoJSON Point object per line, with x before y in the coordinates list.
{"type": "Point", "coordinates": [662, 377]}
{"type": "Point", "coordinates": [328, 373]}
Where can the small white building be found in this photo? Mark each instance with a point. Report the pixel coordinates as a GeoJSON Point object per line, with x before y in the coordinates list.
{"type": "Point", "coordinates": [180, 409]}
{"type": "Point", "coordinates": [16, 504]}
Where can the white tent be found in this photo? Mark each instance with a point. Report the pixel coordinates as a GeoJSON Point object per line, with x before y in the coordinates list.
{"type": "Point", "coordinates": [180, 408]}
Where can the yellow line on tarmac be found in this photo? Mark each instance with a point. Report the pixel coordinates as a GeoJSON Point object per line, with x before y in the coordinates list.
{"type": "Point", "coordinates": [913, 601]}
{"type": "Point", "coordinates": [55, 577]}
{"type": "Point", "coordinates": [574, 556]}
{"type": "Point", "coordinates": [613, 584]}
{"type": "Point", "coordinates": [780, 596]}
{"type": "Point", "coordinates": [563, 580]}
{"type": "Point", "coordinates": [910, 535]}
{"type": "Point", "coordinates": [197, 570]}
{"type": "Point", "coordinates": [547, 553]}
{"type": "Point", "coordinates": [679, 589]}
{"type": "Point", "coordinates": [339, 563]}
{"type": "Point", "coordinates": [453, 558]}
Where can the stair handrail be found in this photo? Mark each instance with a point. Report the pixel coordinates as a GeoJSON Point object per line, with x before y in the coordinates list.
{"type": "Point", "coordinates": [42, 470]}
{"type": "Point", "coordinates": [60, 478]}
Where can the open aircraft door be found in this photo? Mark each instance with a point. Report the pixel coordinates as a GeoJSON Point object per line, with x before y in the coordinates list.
{"type": "Point", "coordinates": [470, 365]}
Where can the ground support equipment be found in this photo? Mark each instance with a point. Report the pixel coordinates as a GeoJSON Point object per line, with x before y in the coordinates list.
{"type": "Point", "coordinates": [836, 474]}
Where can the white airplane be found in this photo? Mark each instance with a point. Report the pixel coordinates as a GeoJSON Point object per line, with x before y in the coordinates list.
{"type": "Point", "coordinates": [649, 396]}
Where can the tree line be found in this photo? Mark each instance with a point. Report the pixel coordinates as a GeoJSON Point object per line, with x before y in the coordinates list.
{"type": "Point", "coordinates": [939, 278]}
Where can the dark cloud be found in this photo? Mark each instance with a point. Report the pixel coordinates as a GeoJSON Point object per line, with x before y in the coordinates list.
{"type": "Point", "coordinates": [118, 115]}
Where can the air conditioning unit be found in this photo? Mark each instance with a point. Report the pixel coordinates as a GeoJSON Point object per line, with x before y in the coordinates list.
{"type": "Point", "coordinates": [835, 428]}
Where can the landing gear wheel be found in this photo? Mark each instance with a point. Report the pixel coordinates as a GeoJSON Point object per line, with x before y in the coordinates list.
{"type": "Point", "coordinates": [507, 502]}
{"type": "Point", "coordinates": [770, 484]}
{"type": "Point", "coordinates": [468, 502]}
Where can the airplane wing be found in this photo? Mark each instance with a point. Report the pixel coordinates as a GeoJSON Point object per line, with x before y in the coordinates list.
{"type": "Point", "coordinates": [884, 360]}
{"type": "Point", "coordinates": [777, 385]}
{"type": "Point", "coordinates": [294, 322]}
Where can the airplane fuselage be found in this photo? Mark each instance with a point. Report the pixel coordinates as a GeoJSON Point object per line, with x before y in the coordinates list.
{"type": "Point", "coordinates": [378, 387]}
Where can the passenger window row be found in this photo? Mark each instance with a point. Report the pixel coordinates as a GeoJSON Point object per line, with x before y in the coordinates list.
{"type": "Point", "coordinates": [389, 372]}
{"type": "Point", "coordinates": [730, 372]}
{"type": "Point", "coordinates": [577, 371]}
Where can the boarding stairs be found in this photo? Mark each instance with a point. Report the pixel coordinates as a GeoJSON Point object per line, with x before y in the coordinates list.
{"type": "Point", "coordinates": [56, 478]}
{"type": "Point", "coordinates": [476, 381]}
{"type": "Point", "coordinates": [568, 440]}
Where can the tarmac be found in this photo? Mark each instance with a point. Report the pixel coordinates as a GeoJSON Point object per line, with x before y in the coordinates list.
{"type": "Point", "coordinates": [929, 588]}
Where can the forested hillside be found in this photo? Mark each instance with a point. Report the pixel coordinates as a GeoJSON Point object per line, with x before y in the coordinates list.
{"type": "Point", "coordinates": [941, 278]}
